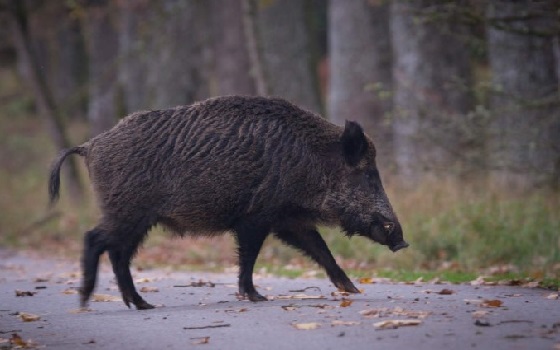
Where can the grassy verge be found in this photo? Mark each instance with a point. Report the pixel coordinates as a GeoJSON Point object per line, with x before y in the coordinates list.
{"type": "Point", "coordinates": [456, 231]}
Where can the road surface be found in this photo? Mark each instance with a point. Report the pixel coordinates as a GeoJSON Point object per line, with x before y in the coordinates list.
{"type": "Point", "coordinates": [201, 311]}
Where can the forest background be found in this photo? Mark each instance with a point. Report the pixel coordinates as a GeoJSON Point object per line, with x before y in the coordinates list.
{"type": "Point", "coordinates": [461, 98]}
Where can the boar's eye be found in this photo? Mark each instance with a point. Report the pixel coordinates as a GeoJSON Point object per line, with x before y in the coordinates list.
{"type": "Point", "coordinates": [389, 226]}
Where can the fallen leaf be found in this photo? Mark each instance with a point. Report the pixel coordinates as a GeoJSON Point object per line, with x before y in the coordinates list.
{"type": "Point", "coordinates": [371, 313]}
{"type": "Point", "coordinates": [306, 326]}
{"type": "Point", "coordinates": [42, 279]}
{"type": "Point", "coordinates": [201, 340]}
{"type": "Point", "coordinates": [399, 311]}
{"type": "Point", "coordinates": [142, 280]}
{"type": "Point", "coordinates": [445, 291]}
{"type": "Point", "coordinates": [479, 314]}
{"type": "Point", "coordinates": [478, 281]}
{"type": "Point", "coordinates": [300, 296]}
{"type": "Point", "coordinates": [289, 307]}
{"type": "Point", "coordinates": [80, 310]}
{"type": "Point", "coordinates": [491, 303]}
{"type": "Point", "coordinates": [435, 280]}
{"type": "Point", "coordinates": [393, 324]}
{"type": "Point", "coordinates": [21, 293]}
{"type": "Point", "coordinates": [20, 343]}
{"type": "Point", "coordinates": [25, 317]}
{"type": "Point", "coordinates": [105, 298]}
{"type": "Point", "coordinates": [149, 289]}
{"type": "Point", "coordinates": [70, 291]}
{"type": "Point", "coordinates": [344, 323]}
{"type": "Point", "coordinates": [345, 303]}
{"type": "Point", "coordinates": [366, 280]}
{"type": "Point", "coordinates": [552, 296]}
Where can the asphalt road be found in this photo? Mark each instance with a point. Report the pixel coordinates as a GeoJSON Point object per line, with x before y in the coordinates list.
{"type": "Point", "coordinates": [200, 311]}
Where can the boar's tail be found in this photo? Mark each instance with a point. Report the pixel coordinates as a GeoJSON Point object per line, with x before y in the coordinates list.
{"type": "Point", "coordinates": [54, 180]}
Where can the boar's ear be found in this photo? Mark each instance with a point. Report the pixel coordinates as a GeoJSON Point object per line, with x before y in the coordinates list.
{"type": "Point", "coordinates": [354, 143]}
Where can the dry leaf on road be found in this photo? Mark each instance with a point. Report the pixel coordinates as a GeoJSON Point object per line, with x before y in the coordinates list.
{"type": "Point", "coordinates": [366, 280]}
{"type": "Point", "coordinates": [345, 303]}
{"type": "Point", "coordinates": [142, 280]}
{"type": "Point", "coordinates": [446, 291]}
{"type": "Point", "coordinates": [105, 298]}
{"type": "Point", "coordinates": [344, 323]}
{"type": "Point", "coordinates": [300, 296]}
{"type": "Point", "coordinates": [306, 326]}
{"type": "Point", "coordinates": [200, 340]}
{"type": "Point", "coordinates": [18, 342]}
{"type": "Point", "coordinates": [21, 293]}
{"type": "Point", "coordinates": [149, 289]}
{"type": "Point", "coordinates": [393, 324]}
{"type": "Point", "coordinates": [479, 314]}
{"type": "Point", "coordinates": [25, 317]}
{"type": "Point", "coordinates": [491, 303]}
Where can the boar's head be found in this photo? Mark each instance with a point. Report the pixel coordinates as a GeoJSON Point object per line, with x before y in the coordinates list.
{"type": "Point", "coordinates": [357, 196]}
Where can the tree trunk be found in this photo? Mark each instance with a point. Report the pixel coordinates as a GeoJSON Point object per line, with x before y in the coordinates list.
{"type": "Point", "coordinates": [284, 43]}
{"type": "Point", "coordinates": [231, 63]}
{"type": "Point", "coordinates": [102, 44]}
{"type": "Point", "coordinates": [524, 133]}
{"type": "Point", "coordinates": [252, 43]}
{"type": "Point", "coordinates": [432, 77]}
{"type": "Point", "coordinates": [43, 98]}
{"type": "Point", "coordinates": [134, 53]}
{"type": "Point", "coordinates": [176, 74]}
{"type": "Point", "coordinates": [360, 69]}
{"type": "Point", "coordinates": [58, 44]}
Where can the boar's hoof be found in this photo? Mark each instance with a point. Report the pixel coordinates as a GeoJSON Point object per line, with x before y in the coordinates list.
{"type": "Point", "coordinates": [257, 297]}
{"type": "Point", "coordinates": [143, 305]}
{"type": "Point", "coordinates": [347, 286]}
{"type": "Point", "coordinates": [252, 297]}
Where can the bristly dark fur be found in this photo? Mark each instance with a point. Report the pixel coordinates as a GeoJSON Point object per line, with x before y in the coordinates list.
{"type": "Point", "coordinates": [246, 165]}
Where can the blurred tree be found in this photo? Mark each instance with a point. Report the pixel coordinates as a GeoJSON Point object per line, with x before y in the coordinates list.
{"type": "Point", "coordinates": [284, 44]}
{"type": "Point", "coordinates": [134, 52]}
{"type": "Point", "coordinates": [164, 52]}
{"type": "Point", "coordinates": [432, 80]}
{"type": "Point", "coordinates": [360, 69]}
{"type": "Point", "coordinates": [177, 71]}
{"type": "Point", "coordinates": [524, 134]}
{"type": "Point", "coordinates": [48, 109]}
{"type": "Point", "coordinates": [102, 44]}
{"type": "Point", "coordinates": [59, 46]}
{"type": "Point", "coordinates": [230, 55]}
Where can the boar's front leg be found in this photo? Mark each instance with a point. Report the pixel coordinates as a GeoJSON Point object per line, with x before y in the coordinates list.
{"type": "Point", "coordinates": [310, 242]}
{"type": "Point", "coordinates": [249, 240]}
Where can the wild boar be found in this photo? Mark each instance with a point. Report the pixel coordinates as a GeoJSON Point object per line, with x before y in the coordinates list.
{"type": "Point", "coordinates": [250, 166]}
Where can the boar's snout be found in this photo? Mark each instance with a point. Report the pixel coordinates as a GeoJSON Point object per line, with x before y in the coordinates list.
{"type": "Point", "coordinates": [398, 246]}
{"type": "Point", "coordinates": [396, 241]}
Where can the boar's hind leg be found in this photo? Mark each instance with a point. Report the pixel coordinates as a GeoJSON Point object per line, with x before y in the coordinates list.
{"type": "Point", "coordinates": [124, 245]}
{"type": "Point", "coordinates": [94, 246]}
{"type": "Point", "coordinates": [312, 244]}
{"type": "Point", "coordinates": [249, 240]}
